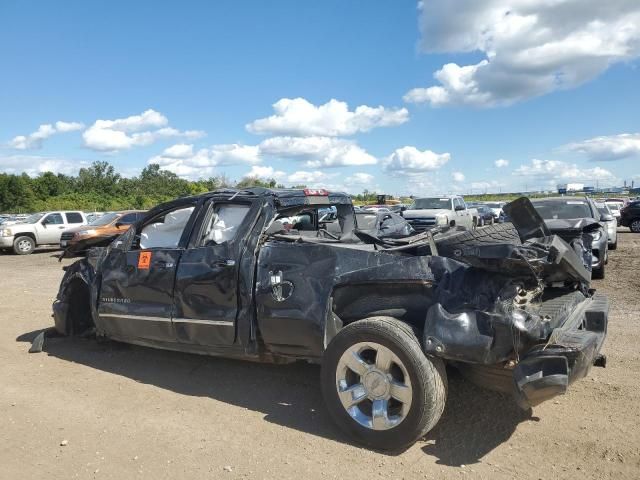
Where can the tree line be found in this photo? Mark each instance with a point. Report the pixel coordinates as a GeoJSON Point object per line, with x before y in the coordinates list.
{"type": "Point", "coordinates": [100, 187]}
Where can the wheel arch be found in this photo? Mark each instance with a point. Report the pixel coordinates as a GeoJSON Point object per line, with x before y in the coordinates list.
{"type": "Point", "coordinates": [26, 234]}
{"type": "Point", "coordinates": [73, 310]}
{"type": "Point", "coordinates": [406, 301]}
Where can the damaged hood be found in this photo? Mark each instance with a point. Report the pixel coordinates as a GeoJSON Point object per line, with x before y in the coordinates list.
{"type": "Point", "coordinates": [574, 225]}
{"type": "Point", "coordinates": [81, 247]}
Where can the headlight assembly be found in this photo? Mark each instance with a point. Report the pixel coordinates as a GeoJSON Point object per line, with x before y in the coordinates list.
{"type": "Point", "coordinates": [596, 235]}
{"type": "Point", "coordinates": [6, 232]}
{"type": "Point", "coordinates": [442, 220]}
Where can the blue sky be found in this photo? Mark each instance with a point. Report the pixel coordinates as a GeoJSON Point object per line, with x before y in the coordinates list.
{"type": "Point", "coordinates": [564, 109]}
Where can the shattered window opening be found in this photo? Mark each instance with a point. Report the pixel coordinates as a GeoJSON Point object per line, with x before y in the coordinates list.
{"type": "Point", "coordinates": [224, 223]}
{"type": "Point", "coordinates": [167, 230]}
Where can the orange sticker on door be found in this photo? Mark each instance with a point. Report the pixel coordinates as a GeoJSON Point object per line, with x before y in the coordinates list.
{"type": "Point", "coordinates": [144, 260]}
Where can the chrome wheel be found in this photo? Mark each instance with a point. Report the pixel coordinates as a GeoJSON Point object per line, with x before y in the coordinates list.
{"type": "Point", "coordinates": [24, 245]}
{"type": "Point", "coordinates": [373, 386]}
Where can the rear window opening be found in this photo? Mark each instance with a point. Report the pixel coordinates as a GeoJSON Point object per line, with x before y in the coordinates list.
{"type": "Point", "coordinates": [327, 221]}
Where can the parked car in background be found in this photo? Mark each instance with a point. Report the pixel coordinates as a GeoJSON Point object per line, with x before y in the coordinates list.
{"type": "Point", "coordinates": [630, 216]}
{"type": "Point", "coordinates": [398, 208]}
{"type": "Point", "coordinates": [92, 216]}
{"type": "Point", "coordinates": [615, 205]}
{"type": "Point", "coordinates": [375, 208]}
{"type": "Point", "coordinates": [44, 228]}
{"type": "Point", "coordinates": [429, 212]}
{"type": "Point", "coordinates": [612, 225]}
{"type": "Point", "coordinates": [485, 214]}
{"type": "Point", "coordinates": [383, 224]}
{"type": "Point", "coordinates": [496, 208]}
{"type": "Point", "coordinates": [110, 224]}
{"type": "Point", "coordinates": [570, 218]}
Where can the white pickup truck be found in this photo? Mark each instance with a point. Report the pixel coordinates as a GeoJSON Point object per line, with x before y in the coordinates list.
{"type": "Point", "coordinates": [44, 228]}
{"type": "Point", "coordinates": [428, 212]}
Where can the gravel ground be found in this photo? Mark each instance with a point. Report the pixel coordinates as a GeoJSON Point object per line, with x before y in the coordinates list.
{"type": "Point", "coordinates": [89, 410]}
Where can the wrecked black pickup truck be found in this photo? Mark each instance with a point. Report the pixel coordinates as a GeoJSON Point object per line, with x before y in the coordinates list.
{"type": "Point", "coordinates": [256, 274]}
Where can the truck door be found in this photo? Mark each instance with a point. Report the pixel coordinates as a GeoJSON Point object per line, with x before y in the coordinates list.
{"type": "Point", "coordinates": [210, 274]}
{"type": "Point", "coordinates": [462, 214]}
{"type": "Point", "coordinates": [50, 228]}
{"type": "Point", "coordinates": [138, 275]}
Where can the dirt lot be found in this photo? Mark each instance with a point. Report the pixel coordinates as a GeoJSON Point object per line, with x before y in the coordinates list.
{"type": "Point", "coordinates": [131, 412]}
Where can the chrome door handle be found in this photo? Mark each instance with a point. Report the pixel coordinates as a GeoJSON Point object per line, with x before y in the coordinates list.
{"type": "Point", "coordinates": [225, 263]}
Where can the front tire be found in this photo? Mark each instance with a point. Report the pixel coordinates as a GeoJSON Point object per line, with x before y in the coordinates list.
{"type": "Point", "coordinates": [598, 273]}
{"type": "Point", "coordinates": [379, 386]}
{"type": "Point", "coordinates": [23, 245]}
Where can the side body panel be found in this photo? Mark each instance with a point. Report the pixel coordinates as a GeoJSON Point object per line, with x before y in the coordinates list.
{"type": "Point", "coordinates": [292, 319]}
{"type": "Point", "coordinates": [137, 302]}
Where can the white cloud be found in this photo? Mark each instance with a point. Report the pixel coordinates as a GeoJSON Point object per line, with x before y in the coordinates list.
{"type": "Point", "coordinates": [299, 117]}
{"type": "Point", "coordinates": [458, 177]}
{"type": "Point", "coordinates": [409, 160]}
{"type": "Point", "coordinates": [317, 152]}
{"type": "Point", "coordinates": [531, 47]}
{"type": "Point", "coordinates": [608, 148]}
{"type": "Point", "coordinates": [64, 127]}
{"type": "Point", "coordinates": [179, 150]}
{"type": "Point", "coordinates": [501, 163]}
{"type": "Point", "coordinates": [554, 171]}
{"type": "Point", "coordinates": [202, 163]}
{"type": "Point", "coordinates": [265, 172]}
{"type": "Point", "coordinates": [310, 178]}
{"type": "Point", "coordinates": [133, 131]}
{"type": "Point", "coordinates": [35, 140]}
{"type": "Point", "coordinates": [359, 178]}
{"type": "Point", "coordinates": [34, 165]}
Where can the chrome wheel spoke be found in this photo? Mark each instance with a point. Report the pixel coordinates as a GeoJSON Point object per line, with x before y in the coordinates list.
{"type": "Point", "coordinates": [401, 392]}
{"type": "Point", "coordinates": [370, 379]}
{"type": "Point", "coordinates": [353, 395]}
{"type": "Point", "coordinates": [356, 363]}
{"type": "Point", "coordinates": [383, 359]}
{"type": "Point", "coordinates": [379, 413]}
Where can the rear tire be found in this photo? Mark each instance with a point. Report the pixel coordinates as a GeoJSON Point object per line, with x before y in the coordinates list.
{"type": "Point", "coordinates": [635, 226]}
{"type": "Point", "coordinates": [614, 246]}
{"type": "Point", "coordinates": [23, 245]}
{"type": "Point", "coordinates": [379, 386]}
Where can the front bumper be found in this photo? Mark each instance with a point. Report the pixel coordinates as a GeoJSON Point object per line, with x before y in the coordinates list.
{"type": "Point", "coordinates": [6, 242]}
{"type": "Point", "coordinates": [547, 370]}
